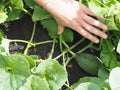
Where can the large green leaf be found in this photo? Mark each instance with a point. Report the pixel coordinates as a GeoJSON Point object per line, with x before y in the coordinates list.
{"type": "Point", "coordinates": [18, 4]}
{"type": "Point", "coordinates": [102, 85]}
{"type": "Point", "coordinates": [5, 44]}
{"type": "Point", "coordinates": [108, 55]}
{"type": "Point", "coordinates": [114, 79]}
{"type": "Point", "coordinates": [51, 25]}
{"type": "Point", "coordinates": [40, 14]}
{"type": "Point", "coordinates": [13, 13]}
{"type": "Point", "coordinates": [32, 60]}
{"type": "Point", "coordinates": [53, 72]}
{"type": "Point", "coordinates": [110, 22]}
{"type": "Point", "coordinates": [35, 83]}
{"type": "Point", "coordinates": [87, 86]}
{"type": "Point", "coordinates": [68, 35]}
{"type": "Point", "coordinates": [30, 3]}
{"type": "Point", "coordinates": [96, 8]}
{"type": "Point", "coordinates": [109, 2]}
{"type": "Point", "coordinates": [14, 69]}
{"type": "Point", "coordinates": [103, 73]}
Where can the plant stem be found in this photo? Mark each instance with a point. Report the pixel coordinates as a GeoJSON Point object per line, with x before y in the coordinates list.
{"type": "Point", "coordinates": [26, 11]}
{"type": "Point", "coordinates": [52, 50]}
{"type": "Point", "coordinates": [65, 44]}
{"type": "Point", "coordinates": [23, 41]}
{"type": "Point", "coordinates": [82, 50]}
{"type": "Point", "coordinates": [32, 44]}
{"type": "Point", "coordinates": [63, 54]}
{"type": "Point", "coordinates": [72, 47]}
{"type": "Point", "coordinates": [76, 44]}
{"type": "Point", "coordinates": [68, 87]}
{"type": "Point", "coordinates": [33, 33]}
{"type": "Point", "coordinates": [60, 42]}
{"type": "Point", "coordinates": [44, 42]}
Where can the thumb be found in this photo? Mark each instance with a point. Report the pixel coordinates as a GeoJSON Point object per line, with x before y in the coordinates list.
{"type": "Point", "coordinates": [60, 26]}
{"type": "Point", "coordinates": [60, 29]}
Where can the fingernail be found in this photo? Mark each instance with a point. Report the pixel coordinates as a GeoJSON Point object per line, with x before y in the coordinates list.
{"type": "Point", "coordinates": [105, 36]}
{"type": "Point", "coordinates": [105, 28]}
{"type": "Point", "coordinates": [97, 41]}
{"type": "Point", "coordinates": [59, 32]}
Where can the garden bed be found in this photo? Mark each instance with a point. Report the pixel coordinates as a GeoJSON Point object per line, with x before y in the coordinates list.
{"type": "Point", "coordinates": [34, 57]}
{"type": "Point", "coordinates": [21, 29]}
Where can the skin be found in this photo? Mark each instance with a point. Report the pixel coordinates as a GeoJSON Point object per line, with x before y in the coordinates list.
{"type": "Point", "coordinates": [76, 16]}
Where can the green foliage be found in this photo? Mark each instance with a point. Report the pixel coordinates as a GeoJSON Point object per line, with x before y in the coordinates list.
{"type": "Point", "coordinates": [52, 31]}
{"type": "Point", "coordinates": [39, 84]}
{"type": "Point", "coordinates": [22, 72]}
{"type": "Point", "coordinates": [114, 78]}
{"type": "Point", "coordinates": [103, 73]}
{"type": "Point", "coordinates": [16, 72]}
{"type": "Point", "coordinates": [3, 17]}
{"type": "Point", "coordinates": [90, 83]}
{"type": "Point", "coordinates": [11, 73]}
{"type": "Point", "coordinates": [51, 71]}
{"type": "Point", "coordinates": [40, 14]}
{"type": "Point", "coordinates": [108, 55]}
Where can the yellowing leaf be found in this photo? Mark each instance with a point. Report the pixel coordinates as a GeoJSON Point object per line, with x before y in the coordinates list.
{"type": "Point", "coordinates": [3, 17]}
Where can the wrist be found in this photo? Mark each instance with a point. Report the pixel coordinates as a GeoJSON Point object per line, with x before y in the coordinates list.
{"type": "Point", "coordinates": [43, 3]}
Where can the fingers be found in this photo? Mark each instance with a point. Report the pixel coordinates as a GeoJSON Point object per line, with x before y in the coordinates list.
{"type": "Point", "coordinates": [87, 35]}
{"type": "Point", "coordinates": [60, 29]}
{"type": "Point", "coordinates": [78, 28]}
{"type": "Point", "coordinates": [94, 30]}
{"type": "Point", "coordinates": [94, 22]}
{"type": "Point", "coordinates": [87, 30]}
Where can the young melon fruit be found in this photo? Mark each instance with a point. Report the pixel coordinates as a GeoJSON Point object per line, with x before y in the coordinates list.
{"type": "Point", "coordinates": [88, 62]}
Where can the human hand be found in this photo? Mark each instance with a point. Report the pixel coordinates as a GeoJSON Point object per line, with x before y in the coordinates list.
{"type": "Point", "coordinates": [77, 16]}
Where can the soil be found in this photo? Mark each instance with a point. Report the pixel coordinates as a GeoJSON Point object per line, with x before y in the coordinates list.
{"type": "Point", "coordinates": [21, 29]}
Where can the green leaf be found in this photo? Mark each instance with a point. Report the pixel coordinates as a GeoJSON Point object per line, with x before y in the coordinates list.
{"type": "Point", "coordinates": [114, 79]}
{"type": "Point", "coordinates": [109, 2]}
{"type": "Point", "coordinates": [100, 83]}
{"type": "Point", "coordinates": [30, 3]}
{"type": "Point", "coordinates": [108, 55]}
{"type": "Point", "coordinates": [18, 4]}
{"type": "Point", "coordinates": [68, 35]}
{"type": "Point", "coordinates": [1, 37]}
{"type": "Point", "coordinates": [2, 51]}
{"type": "Point", "coordinates": [103, 73]}
{"type": "Point", "coordinates": [3, 17]}
{"type": "Point", "coordinates": [31, 59]}
{"type": "Point", "coordinates": [40, 14]}
{"type": "Point", "coordinates": [89, 63]}
{"type": "Point", "coordinates": [87, 86]}
{"type": "Point", "coordinates": [14, 69]}
{"type": "Point", "coordinates": [97, 9]}
{"type": "Point", "coordinates": [35, 83]}
{"type": "Point", "coordinates": [51, 26]}
{"type": "Point", "coordinates": [110, 22]}
{"type": "Point", "coordinates": [13, 13]}
{"type": "Point", "coordinates": [53, 72]}
{"type": "Point", "coordinates": [5, 44]}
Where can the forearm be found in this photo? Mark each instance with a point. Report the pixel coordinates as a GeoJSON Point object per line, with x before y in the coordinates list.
{"type": "Point", "coordinates": [43, 3]}
{"type": "Point", "coordinates": [51, 6]}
